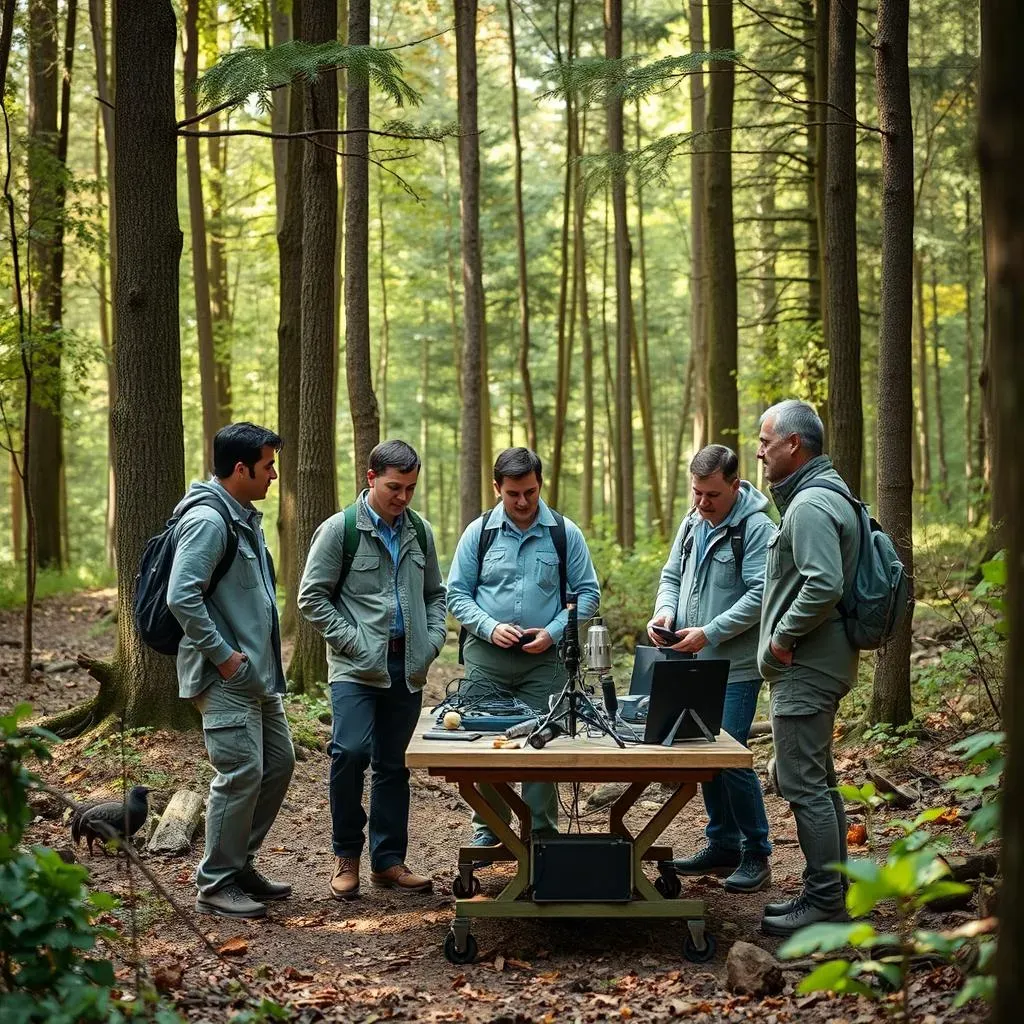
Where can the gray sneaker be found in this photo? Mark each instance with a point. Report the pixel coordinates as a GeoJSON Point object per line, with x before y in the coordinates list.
{"type": "Point", "coordinates": [801, 915]}
{"type": "Point", "coordinates": [709, 860]}
{"type": "Point", "coordinates": [230, 901]}
{"type": "Point", "coordinates": [752, 875]}
{"type": "Point", "coordinates": [781, 908]}
{"type": "Point", "coordinates": [259, 887]}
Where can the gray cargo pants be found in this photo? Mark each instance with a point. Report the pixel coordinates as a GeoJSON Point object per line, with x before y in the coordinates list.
{"type": "Point", "coordinates": [250, 747]}
{"type": "Point", "coordinates": [807, 780]}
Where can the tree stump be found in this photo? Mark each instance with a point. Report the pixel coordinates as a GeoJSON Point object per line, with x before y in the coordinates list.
{"type": "Point", "coordinates": [179, 822]}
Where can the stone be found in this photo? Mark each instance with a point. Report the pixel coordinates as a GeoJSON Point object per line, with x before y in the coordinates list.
{"type": "Point", "coordinates": [752, 971]}
{"type": "Point", "coordinates": [605, 794]}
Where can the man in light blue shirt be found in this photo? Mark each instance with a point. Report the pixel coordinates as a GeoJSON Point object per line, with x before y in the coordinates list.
{"type": "Point", "coordinates": [507, 588]}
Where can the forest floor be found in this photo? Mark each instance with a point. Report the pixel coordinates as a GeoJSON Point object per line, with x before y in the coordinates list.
{"type": "Point", "coordinates": [380, 958]}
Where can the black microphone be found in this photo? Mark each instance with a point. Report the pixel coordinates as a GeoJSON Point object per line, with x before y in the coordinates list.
{"type": "Point", "coordinates": [611, 700]}
{"type": "Point", "coordinates": [543, 736]}
{"type": "Point", "coordinates": [571, 637]}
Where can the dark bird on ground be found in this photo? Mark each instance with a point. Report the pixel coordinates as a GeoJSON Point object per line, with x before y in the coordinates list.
{"type": "Point", "coordinates": [101, 822]}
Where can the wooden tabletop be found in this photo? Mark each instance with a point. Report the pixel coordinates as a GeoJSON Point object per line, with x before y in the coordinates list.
{"type": "Point", "coordinates": [581, 752]}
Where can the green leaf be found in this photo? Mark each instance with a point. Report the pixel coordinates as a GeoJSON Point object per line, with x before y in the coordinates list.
{"type": "Point", "coordinates": [835, 976]}
{"type": "Point", "coordinates": [981, 743]}
{"type": "Point", "coordinates": [978, 987]}
{"type": "Point", "coordinates": [823, 938]}
{"type": "Point", "coordinates": [889, 971]}
{"type": "Point", "coordinates": [939, 890]}
{"type": "Point", "coordinates": [994, 570]}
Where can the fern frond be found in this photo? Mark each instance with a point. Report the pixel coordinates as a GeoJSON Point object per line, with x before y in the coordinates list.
{"type": "Point", "coordinates": [252, 71]}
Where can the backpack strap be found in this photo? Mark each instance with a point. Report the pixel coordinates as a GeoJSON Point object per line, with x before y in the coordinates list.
{"type": "Point", "coordinates": [559, 539]}
{"type": "Point", "coordinates": [421, 530]}
{"type": "Point", "coordinates": [350, 541]}
{"type": "Point", "coordinates": [483, 545]}
{"type": "Point", "coordinates": [687, 545]}
{"type": "Point", "coordinates": [737, 535]}
{"type": "Point", "coordinates": [231, 547]}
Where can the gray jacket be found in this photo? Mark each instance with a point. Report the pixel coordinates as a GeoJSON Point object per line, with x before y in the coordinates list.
{"type": "Point", "coordinates": [241, 615]}
{"type": "Point", "coordinates": [356, 625]}
{"type": "Point", "coordinates": [710, 594]}
{"type": "Point", "coordinates": [811, 561]}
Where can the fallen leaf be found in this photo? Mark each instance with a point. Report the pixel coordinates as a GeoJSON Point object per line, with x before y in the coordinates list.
{"type": "Point", "coordinates": [625, 1012]}
{"type": "Point", "coordinates": [521, 964]}
{"type": "Point", "coordinates": [235, 946]}
{"type": "Point", "coordinates": [434, 916]}
{"type": "Point", "coordinates": [70, 780]}
{"type": "Point", "coordinates": [856, 835]}
{"type": "Point", "coordinates": [949, 815]}
{"type": "Point", "coordinates": [499, 963]}
{"type": "Point", "coordinates": [294, 974]}
{"type": "Point", "coordinates": [548, 976]}
{"type": "Point", "coordinates": [165, 979]}
{"type": "Point", "coordinates": [458, 981]}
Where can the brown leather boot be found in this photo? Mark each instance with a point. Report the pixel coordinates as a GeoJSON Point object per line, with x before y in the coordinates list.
{"type": "Point", "coordinates": [345, 879]}
{"type": "Point", "coordinates": [401, 879]}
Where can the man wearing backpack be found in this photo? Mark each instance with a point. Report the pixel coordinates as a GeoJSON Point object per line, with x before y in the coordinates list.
{"type": "Point", "coordinates": [372, 586]}
{"type": "Point", "coordinates": [804, 651]}
{"type": "Point", "coordinates": [710, 597]}
{"type": "Point", "coordinates": [511, 572]}
{"type": "Point", "coordinates": [229, 665]}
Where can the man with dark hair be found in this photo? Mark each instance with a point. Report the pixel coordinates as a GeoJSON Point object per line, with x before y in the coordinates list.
{"type": "Point", "coordinates": [372, 586]}
{"type": "Point", "coordinates": [511, 571]}
{"type": "Point", "coordinates": [229, 665]}
{"type": "Point", "coordinates": [710, 597]}
{"type": "Point", "coordinates": [804, 651]}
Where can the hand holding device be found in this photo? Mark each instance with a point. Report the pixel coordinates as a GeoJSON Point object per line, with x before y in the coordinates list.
{"type": "Point", "coordinates": [666, 636]}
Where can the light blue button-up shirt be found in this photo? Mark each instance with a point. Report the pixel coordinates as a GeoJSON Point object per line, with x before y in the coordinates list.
{"type": "Point", "coordinates": [392, 538]}
{"type": "Point", "coordinates": [518, 582]}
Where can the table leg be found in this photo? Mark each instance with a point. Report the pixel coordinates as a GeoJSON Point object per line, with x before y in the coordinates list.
{"type": "Point", "coordinates": [473, 796]}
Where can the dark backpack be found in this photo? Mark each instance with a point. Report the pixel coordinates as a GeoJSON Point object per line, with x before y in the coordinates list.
{"type": "Point", "coordinates": [487, 538]}
{"type": "Point", "coordinates": [877, 601]}
{"type": "Point", "coordinates": [351, 542]}
{"type": "Point", "coordinates": [155, 622]}
{"type": "Point", "coordinates": [735, 536]}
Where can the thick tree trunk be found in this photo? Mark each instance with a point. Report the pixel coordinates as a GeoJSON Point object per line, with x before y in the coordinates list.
{"type": "Point", "coordinates": [317, 489]}
{"type": "Point", "coordinates": [197, 225]}
{"type": "Point", "coordinates": [529, 412]}
{"type": "Point", "coordinates": [846, 415]}
{"type": "Point", "coordinates": [46, 214]}
{"type": "Point", "coordinates": [723, 397]}
{"type": "Point", "coordinates": [890, 698]}
{"type": "Point", "coordinates": [1001, 156]}
{"type": "Point", "coordinates": [969, 349]}
{"type": "Point", "coordinates": [698, 235]}
{"type": "Point", "coordinates": [289, 352]}
{"type": "Point", "coordinates": [626, 525]}
{"type": "Point", "coordinates": [473, 380]}
{"type": "Point", "coordinates": [361, 396]}
{"type": "Point", "coordinates": [149, 457]}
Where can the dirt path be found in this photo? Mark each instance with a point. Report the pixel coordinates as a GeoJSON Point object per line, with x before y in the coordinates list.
{"type": "Point", "coordinates": [380, 957]}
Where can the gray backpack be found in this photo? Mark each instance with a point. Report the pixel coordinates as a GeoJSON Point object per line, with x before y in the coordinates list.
{"type": "Point", "coordinates": [878, 600]}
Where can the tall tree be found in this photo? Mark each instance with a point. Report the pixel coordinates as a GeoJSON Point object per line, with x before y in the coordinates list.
{"type": "Point", "coordinates": [46, 171]}
{"type": "Point", "coordinates": [139, 686]}
{"type": "Point", "coordinates": [940, 416]}
{"type": "Point", "coordinates": [586, 339]}
{"type": "Point", "coordinates": [521, 265]}
{"type": "Point", "coordinates": [723, 395]}
{"type": "Point", "coordinates": [624, 491]}
{"type": "Point", "coordinates": [819, 366]}
{"type": "Point", "coordinates": [921, 350]}
{"type": "Point", "coordinates": [316, 493]}
{"type": "Point", "coordinates": [212, 421]}
{"type": "Point", "coordinates": [289, 348]}
{"type": "Point", "coordinates": [698, 231]}
{"type": "Point", "coordinates": [890, 699]}
{"type": "Point", "coordinates": [1001, 156]}
{"type": "Point", "coordinates": [471, 447]}
{"type": "Point", "coordinates": [845, 410]}
{"type": "Point", "coordinates": [362, 400]}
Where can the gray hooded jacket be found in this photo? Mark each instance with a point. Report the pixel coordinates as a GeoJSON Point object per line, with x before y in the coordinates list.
{"type": "Point", "coordinates": [711, 594]}
{"type": "Point", "coordinates": [241, 615]}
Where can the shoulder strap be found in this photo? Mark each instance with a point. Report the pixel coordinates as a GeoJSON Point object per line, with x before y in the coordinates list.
{"type": "Point", "coordinates": [559, 539]}
{"type": "Point", "coordinates": [421, 530]}
{"type": "Point", "coordinates": [349, 545]}
{"type": "Point", "coordinates": [737, 538]}
{"type": "Point", "coordinates": [484, 542]}
{"type": "Point", "coordinates": [687, 545]}
{"type": "Point", "coordinates": [231, 547]}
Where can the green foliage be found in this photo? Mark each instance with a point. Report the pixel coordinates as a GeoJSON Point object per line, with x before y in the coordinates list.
{"type": "Point", "coordinates": [252, 71]}
{"type": "Point", "coordinates": [629, 585]}
{"type": "Point", "coordinates": [52, 582]}
{"type": "Point", "coordinates": [894, 740]}
{"type": "Point", "coordinates": [985, 752]}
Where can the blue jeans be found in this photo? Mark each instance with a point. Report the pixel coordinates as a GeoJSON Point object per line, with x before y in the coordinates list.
{"type": "Point", "coordinates": [372, 726]}
{"type": "Point", "coordinates": [733, 798]}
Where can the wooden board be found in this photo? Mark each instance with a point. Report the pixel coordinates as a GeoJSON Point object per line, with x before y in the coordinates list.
{"type": "Point", "coordinates": [573, 754]}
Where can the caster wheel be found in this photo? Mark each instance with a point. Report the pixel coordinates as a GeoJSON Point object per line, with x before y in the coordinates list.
{"type": "Point", "coordinates": [669, 886]}
{"type": "Point", "coordinates": [699, 956]}
{"type": "Point", "coordinates": [453, 956]}
{"type": "Point", "coordinates": [459, 890]}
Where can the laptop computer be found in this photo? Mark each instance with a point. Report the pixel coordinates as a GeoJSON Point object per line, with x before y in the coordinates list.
{"type": "Point", "coordinates": [687, 700]}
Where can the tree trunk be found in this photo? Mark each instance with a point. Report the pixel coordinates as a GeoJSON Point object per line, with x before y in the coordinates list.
{"type": "Point", "coordinates": [524, 298]}
{"type": "Point", "coordinates": [812, 115]}
{"type": "Point", "coordinates": [1001, 156]}
{"type": "Point", "coordinates": [819, 362]}
{"type": "Point", "coordinates": [281, 32]}
{"type": "Point", "coordinates": [846, 415]}
{"type": "Point", "coordinates": [923, 442]}
{"type": "Point", "coordinates": [149, 457]}
{"type": "Point", "coordinates": [220, 303]}
{"type": "Point", "coordinates": [587, 343]}
{"type": "Point", "coordinates": [611, 442]}
{"type": "Point", "coordinates": [423, 401]}
{"type": "Point", "coordinates": [453, 309]}
{"type": "Point", "coordinates": [626, 526]}
{"type": "Point", "coordinates": [197, 224]}
{"type": "Point", "coordinates": [767, 299]}
{"type": "Point", "coordinates": [969, 347]}
{"type": "Point", "coordinates": [289, 351]}
{"type": "Point", "coordinates": [317, 490]}
{"type": "Point", "coordinates": [723, 397]}
{"type": "Point", "coordinates": [940, 417]}
{"type": "Point", "coordinates": [46, 262]}
{"type": "Point", "coordinates": [473, 381]}
{"type": "Point", "coordinates": [361, 396]}
{"type": "Point", "coordinates": [384, 349]}
{"type": "Point", "coordinates": [890, 698]}
{"type": "Point", "coordinates": [698, 235]}
{"type": "Point", "coordinates": [677, 451]}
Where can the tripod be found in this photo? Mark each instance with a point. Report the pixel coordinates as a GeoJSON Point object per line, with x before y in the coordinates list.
{"type": "Point", "coordinates": [573, 708]}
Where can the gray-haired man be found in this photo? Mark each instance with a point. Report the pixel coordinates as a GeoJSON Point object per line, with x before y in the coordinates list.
{"type": "Point", "coordinates": [804, 652]}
